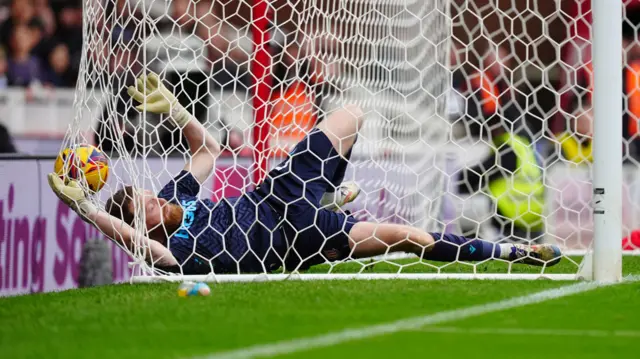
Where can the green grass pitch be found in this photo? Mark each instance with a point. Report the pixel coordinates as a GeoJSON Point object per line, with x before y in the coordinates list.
{"type": "Point", "coordinates": [151, 321]}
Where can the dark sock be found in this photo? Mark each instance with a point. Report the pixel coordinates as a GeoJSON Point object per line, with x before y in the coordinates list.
{"type": "Point", "coordinates": [338, 175]}
{"type": "Point", "coordinates": [448, 245]}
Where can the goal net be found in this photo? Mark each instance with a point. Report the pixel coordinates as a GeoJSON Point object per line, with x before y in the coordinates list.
{"type": "Point", "coordinates": [457, 135]}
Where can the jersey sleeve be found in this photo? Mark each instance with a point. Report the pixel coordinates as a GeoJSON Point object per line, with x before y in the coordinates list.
{"type": "Point", "coordinates": [183, 184]}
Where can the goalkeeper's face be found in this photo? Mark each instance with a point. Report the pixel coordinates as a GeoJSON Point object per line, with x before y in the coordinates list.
{"type": "Point", "coordinates": [161, 217]}
{"type": "Point", "coordinates": [159, 213]}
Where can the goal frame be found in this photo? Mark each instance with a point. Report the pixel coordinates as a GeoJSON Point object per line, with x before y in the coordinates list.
{"type": "Point", "coordinates": [607, 129]}
{"type": "Point", "coordinates": [606, 253]}
{"type": "Point", "coordinates": [226, 278]}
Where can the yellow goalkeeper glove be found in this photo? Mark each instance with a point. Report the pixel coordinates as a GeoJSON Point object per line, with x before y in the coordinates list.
{"type": "Point", "coordinates": [72, 195]}
{"type": "Point", "coordinates": [154, 97]}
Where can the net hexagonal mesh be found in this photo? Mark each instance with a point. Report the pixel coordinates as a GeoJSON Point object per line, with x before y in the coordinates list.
{"type": "Point", "coordinates": [461, 133]}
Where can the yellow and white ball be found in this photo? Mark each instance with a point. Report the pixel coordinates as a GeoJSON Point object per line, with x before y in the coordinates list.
{"type": "Point", "coordinates": [83, 163]}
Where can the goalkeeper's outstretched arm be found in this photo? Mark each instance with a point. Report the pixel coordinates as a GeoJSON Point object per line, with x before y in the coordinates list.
{"type": "Point", "coordinates": [112, 227]}
{"type": "Point", "coordinates": [153, 96]}
{"type": "Point", "coordinates": [120, 232]}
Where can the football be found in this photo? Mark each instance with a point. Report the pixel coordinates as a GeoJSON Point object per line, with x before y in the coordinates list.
{"type": "Point", "coordinates": [84, 163]}
{"type": "Point", "coordinates": [189, 289]}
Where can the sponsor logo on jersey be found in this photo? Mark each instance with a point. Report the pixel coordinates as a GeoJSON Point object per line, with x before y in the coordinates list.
{"type": "Point", "coordinates": [188, 215]}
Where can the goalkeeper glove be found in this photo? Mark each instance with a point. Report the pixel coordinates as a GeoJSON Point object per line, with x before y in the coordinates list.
{"type": "Point", "coordinates": [73, 196]}
{"type": "Point", "coordinates": [155, 97]}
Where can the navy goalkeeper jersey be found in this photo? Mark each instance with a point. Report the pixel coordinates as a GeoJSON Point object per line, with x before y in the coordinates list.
{"type": "Point", "coordinates": [234, 235]}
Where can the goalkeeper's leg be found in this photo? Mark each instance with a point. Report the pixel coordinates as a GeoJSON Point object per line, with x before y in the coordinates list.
{"type": "Point", "coordinates": [315, 164]}
{"type": "Point", "coordinates": [369, 239]}
{"type": "Point", "coordinates": [338, 193]}
{"type": "Point", "coordinates": [321, 235]}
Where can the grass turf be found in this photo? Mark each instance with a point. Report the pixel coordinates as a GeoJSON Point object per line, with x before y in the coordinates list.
{"type": "Point", "coordinates": [599, 324]}
{"type": "Point", "coordinates": [151, 321]}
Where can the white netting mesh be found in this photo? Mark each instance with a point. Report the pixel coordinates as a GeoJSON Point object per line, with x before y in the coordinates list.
{"type": "Point", "coordinates": [461, 133]}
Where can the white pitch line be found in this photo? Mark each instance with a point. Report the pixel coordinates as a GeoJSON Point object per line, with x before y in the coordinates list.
{"type": "Point", "coordinates": [529, 332]}
{"type": "Point", "coordinates": [415, 323]}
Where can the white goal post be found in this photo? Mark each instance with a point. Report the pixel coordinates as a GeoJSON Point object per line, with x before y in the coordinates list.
{"type": "Point", "coordinates": [259, 73]}
{"type": "Point", "coordinates": [607, 158]}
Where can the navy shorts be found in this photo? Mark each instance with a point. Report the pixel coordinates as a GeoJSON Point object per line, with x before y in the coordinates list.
{"type": "Point", "coordinates": [293, 190]}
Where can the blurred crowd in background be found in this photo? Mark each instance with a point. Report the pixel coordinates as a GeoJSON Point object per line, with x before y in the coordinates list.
{"type": "Point", "coordinates": [203, 48]}
{"type": "Point", "coordinates": [40, 42]}
{"type": "Point", "coordinates": [493, 70]}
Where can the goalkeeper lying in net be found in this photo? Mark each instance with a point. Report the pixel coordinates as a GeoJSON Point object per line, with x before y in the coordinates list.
{"type": "Point", "coordinates": [281, 222]}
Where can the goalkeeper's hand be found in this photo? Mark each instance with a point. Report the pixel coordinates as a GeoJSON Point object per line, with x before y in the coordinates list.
{"type": "Point", "coordinates": [73, 196]}
{"type": "Point", "coordinates": [154, 97]}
